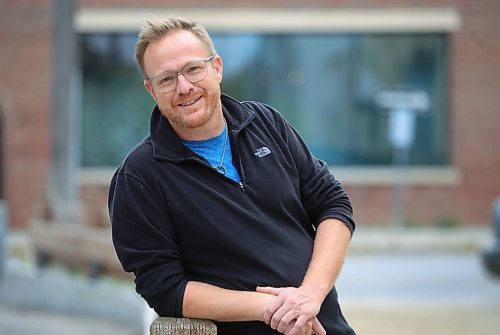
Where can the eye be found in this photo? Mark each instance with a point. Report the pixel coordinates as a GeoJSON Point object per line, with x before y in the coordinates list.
{"type": "Point", "coordinates": [166, 79]}
{"type": "Point", "coordinates": [194, 68]}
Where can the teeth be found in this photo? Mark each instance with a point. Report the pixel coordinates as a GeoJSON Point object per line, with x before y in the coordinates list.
{"type": "Point", "coordinates": [189, 103]}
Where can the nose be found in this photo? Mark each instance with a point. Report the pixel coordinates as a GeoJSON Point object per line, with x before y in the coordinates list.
{"type": "Point", "coordinates": [183, 85]}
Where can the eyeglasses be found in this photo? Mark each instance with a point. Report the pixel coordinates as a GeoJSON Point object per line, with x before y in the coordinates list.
{"type": "Point", "coordinates": [192, 71]}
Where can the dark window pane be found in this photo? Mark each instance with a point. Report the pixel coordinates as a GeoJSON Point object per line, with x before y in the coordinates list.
{"type": "Point", "coordinates": [116, 106]}
{"type": "Point", "coordinates": [324, 84]}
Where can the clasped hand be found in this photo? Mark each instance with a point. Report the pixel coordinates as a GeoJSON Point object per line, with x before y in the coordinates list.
{"type": "Point", "coordinates": [293, 311]}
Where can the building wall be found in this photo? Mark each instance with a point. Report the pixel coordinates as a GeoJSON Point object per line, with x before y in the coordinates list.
{"type": "Point", "coordinates": [25, 101]}
{"type": "Point", "coordinates": [25, 41]}
{"type": "Point", "coordinates": [475, 109]}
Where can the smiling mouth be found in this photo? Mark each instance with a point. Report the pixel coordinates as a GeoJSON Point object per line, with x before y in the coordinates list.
{"type": "Point", "coordinates": [189, 103]}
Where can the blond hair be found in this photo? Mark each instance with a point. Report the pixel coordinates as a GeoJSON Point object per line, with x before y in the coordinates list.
{"type": "Point", "coordinates": [157, 28]}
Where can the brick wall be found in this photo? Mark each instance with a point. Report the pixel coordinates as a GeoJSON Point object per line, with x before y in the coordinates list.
{"type": "Point", "coordinates": [25, 101]}
{"type": "Point", "coordinates": [424, 204]}
{"type": "Point", "coordinates": [476, 109]}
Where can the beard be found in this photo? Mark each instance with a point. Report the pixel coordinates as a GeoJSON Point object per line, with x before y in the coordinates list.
{"type": "Point", "coordinates": [195, 116]}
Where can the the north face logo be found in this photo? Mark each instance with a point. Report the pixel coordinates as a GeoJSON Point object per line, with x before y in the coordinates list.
{"type": "Point", "coordinates": [262, 152]}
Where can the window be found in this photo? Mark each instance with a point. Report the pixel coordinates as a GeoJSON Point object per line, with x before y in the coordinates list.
{"type": "Point", "coordinates": [116, 106]}
{"type": "Point", "coordinates": [324, 84]}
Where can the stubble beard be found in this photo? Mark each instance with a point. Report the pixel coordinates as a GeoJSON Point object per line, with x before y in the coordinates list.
{"type": "Point", "coordinates": [191, 120]}
{"type": "Point", "coordinates": [187, 120]}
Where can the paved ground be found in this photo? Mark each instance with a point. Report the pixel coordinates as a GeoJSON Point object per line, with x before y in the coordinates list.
{"type": "Point", "coordinates": [429, 320]}
{"type": "Point", "coordinates": [384, 289]}
{"type": "Point", "coordinates": [15, 321]}
{"type": "Point", "coordinates": [420, 293]}
{"type": "Point", "coordinates": [53, 301]}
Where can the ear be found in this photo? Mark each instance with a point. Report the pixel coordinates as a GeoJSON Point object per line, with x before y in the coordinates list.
{"type": "Point", "coordinates": [218, 67]}
{"type": "Point", "coordinates": [150, 89]}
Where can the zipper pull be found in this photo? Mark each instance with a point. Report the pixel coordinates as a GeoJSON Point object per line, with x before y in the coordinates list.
{"type": "Point", "coordinates": [242, 186]}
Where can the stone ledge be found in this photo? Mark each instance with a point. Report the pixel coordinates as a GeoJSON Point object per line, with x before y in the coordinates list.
{"type": "Point", "coordinates": [367, 239]}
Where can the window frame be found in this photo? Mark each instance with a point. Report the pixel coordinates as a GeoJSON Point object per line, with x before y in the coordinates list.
{"type": "Point", "coordinates": [315, 20]}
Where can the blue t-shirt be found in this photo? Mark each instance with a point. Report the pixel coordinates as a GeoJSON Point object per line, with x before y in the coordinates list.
{"type": "Point", "coordinates": [211, 149]}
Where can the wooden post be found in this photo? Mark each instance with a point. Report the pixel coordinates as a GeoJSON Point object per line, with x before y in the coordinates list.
{"type": "Point", "coordinates": [182, 326]}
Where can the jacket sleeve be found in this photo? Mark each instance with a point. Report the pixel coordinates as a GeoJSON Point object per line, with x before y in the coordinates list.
{"type": "Point", "coordinates": [145, 243]}
{"type": "Point", "coordinates": [322, 194]}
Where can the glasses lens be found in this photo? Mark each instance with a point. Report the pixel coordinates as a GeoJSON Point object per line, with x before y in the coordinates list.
{"type": "Point", "coordinates": [166, 81]}
{"type": "Point", "coordinates": [195, 71]}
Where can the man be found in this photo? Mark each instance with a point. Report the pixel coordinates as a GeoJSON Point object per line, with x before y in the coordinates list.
{"type": "Point", "coordinates": [222, 212]}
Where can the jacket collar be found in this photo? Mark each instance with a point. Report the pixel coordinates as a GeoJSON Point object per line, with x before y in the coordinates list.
{"type": "Point", "coordinates": [166, 143]}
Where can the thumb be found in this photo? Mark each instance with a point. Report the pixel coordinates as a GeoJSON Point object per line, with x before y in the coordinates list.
{"type": "Point", "coordinates": [268, 290]}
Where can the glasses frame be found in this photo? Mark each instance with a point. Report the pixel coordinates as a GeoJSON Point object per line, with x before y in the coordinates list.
{"type": "Point", "coordinates": [152, 80]}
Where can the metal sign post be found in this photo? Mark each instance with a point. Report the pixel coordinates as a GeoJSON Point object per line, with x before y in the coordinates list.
{"type": "Point", "coordinates": [491, 256]}
{"type": "Point", "coordinates": [403, 106]}
{"type": "Point", "coordinates": [3, 235]}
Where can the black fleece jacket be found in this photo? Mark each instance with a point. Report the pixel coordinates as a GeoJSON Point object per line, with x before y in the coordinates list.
{"type": "Point", "coordinates": [175, 219]}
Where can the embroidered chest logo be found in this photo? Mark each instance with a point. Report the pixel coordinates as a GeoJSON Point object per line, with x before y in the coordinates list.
{"type": "Point", "coordinates": [262, 152]}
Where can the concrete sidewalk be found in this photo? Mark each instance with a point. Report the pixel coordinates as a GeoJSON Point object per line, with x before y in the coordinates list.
{"type": "Point", "coordinates": [410, 293]}
{"type": "Point", "coordinates": [56, 301]}
{"type": "Point", "coordinates": [14, 321]}
{"type": "Point", "coordinates": [432, 320]}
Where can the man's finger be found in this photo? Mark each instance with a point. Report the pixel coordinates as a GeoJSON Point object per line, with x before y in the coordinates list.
{"type": "Point", "coordinates": [285, 321]}
{"type": "Point", "coordinates": [300, 326]}
{"type": "Point", "coordinates": [318, 328]}
{"type": "Point", "coordinates": [271, 309]}
{"type": "Point", "coordinates": [277, 318]}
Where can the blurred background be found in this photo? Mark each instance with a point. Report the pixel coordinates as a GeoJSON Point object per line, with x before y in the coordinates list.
{"type": "Point", "coordinates": [399, 97]}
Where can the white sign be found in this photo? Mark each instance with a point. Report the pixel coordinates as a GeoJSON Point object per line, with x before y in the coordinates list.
{"type": "Point", "coordinates": [401, 128]}
{"type": "Point", "coordinates": [415, 100]}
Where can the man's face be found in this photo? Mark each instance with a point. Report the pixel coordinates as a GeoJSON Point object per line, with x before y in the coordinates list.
{"type": "Point", "coordinates": [189, 105]}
